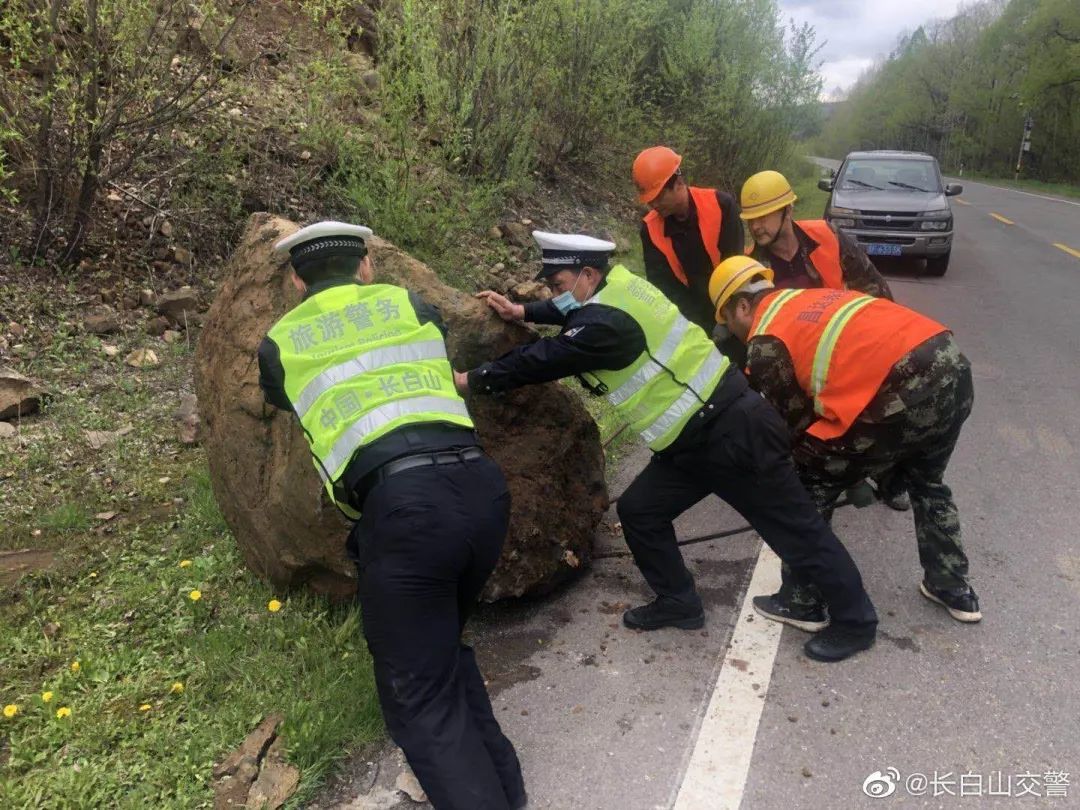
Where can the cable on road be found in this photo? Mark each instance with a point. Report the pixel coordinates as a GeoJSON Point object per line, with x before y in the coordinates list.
{"type": "Point", "coordinates": [703, 538]}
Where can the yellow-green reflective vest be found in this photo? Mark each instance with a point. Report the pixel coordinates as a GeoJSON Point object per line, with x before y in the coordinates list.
{"type": "Point", "coordinates": [358, 364]}
{"type": "Point", "coordinates": [676, 374]}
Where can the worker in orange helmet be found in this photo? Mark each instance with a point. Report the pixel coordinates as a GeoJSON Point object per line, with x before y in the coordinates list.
{"type": "Point", "coordinates": [687, 232]}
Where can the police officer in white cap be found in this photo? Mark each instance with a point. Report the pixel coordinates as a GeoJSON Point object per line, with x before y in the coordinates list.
{"type": "Point", "coordinates": [709, 431]}
{"type": "Point", "coordinates": [364, 368]}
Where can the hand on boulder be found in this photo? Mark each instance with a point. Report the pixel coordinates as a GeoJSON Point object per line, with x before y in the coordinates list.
{"type": "Point", "coordinates": [461, 382]}
{"type": "Point", "coordinates": [503, 306]}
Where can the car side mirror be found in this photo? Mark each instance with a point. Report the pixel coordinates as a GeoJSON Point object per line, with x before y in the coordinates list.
{"type": "Point", "coordinates": [826, 185]}
{"type": "Point", "coordinates": [952, 189]}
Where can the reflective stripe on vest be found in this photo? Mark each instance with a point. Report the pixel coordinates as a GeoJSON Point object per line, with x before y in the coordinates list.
{"type": "Point", "coordinates": [367, 362]}
{"type": "Point", "coordinates": [358, 364]}
{"type": "Point", "coordinates": [650, 393]}
{"type": "Point", "coordinates": [826, 256]}
{"type": "Point", "coordinates": [843, 345]}
{"type": "Point", "coordinates": [346, 445]}
{"type": "Point", "coordinates": [819, 373]}
{"type": "Point", "coordinates": [710, 219]}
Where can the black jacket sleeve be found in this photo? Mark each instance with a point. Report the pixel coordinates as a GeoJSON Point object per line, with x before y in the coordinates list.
{"type": "Point", "coordinates": [594, 337]}
{"type": "Point", "coordinates": [427, 313]}
{"type": "Point", "coordinates": [272, 375]}
{"type": "Point", "coordinates": [732, 240]}
{"type": "Point", "coordinates": [544, 312]}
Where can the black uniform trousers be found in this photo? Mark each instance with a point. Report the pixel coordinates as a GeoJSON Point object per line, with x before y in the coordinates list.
{"type": "Point", "coordinates": [427, 540]}
{"type": "Point", "coordinates": [743, 456]}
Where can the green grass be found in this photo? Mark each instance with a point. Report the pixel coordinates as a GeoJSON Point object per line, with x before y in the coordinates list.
{"type": "Point", "coordinates": [804, 177]}
{"type": "Point", "coordinates": [1058, 189]}
{"type": "Point", "coordinates": [117, 600]}
{"type": "Point", "coordinates": [129, 620]}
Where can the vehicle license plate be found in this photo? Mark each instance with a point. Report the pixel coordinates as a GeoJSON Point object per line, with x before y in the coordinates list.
{"type": "Point", "coordinates": [878, 249]}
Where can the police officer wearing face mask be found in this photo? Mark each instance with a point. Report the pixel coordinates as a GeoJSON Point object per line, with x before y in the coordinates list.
{"type": "Point", "coordinates": [709, 432]}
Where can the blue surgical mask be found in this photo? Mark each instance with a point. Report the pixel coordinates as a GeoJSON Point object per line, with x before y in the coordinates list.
{"type": "Point", "coordinates": [565, 301]}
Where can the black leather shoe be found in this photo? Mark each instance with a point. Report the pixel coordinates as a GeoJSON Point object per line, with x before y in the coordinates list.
{"type": "Point", "coordinates": [962, 603]}
{"type": "Point", "coordinates": [810, 619]}
{"type": "Point", "coordinates": [521, 803]}
{"type": "Point", "coordinates": [664, 613]}
{"type": "Point", "coordinates": [836, 642]}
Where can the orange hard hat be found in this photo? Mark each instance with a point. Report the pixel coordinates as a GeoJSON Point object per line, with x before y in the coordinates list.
{"type": "Point", "coordinates": [653, 167]}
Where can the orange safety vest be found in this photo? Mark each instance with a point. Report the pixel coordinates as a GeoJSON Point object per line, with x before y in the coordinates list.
{"type": "Point", "coordinates": [710, 220]}
{"type": "Point", "coordinates": [843, 345]}
{"type": "Point", "coordinates": [826, 256]}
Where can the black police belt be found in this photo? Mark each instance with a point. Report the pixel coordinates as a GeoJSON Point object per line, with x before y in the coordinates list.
{"type": "Point", "coordinates": [426, 460]}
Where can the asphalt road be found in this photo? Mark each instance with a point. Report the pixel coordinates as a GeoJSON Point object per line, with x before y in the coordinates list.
{"type": "Point", "coordinates": [605, 718]}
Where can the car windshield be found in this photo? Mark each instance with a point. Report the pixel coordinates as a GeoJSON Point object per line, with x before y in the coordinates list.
{"type": "Point", "coordinates": [883, 174]}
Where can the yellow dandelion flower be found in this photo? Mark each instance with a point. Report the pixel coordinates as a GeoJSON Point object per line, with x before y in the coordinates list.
{"type": "Point", "coordinates": [10, 710]}
{"type": "Point", "coordinates": [195, 596]}
{"type": "Point", "coordinates": [145, 707]}
{"type": "Point", "coordinates": [63, 712]}
{"type": "Point", "coordinates": [177, 688]}
{"type": "Point", "coordinates": [185, 563]}
{"type": "Point", "coordinates": [274, 606]}
{"type": "Point", "coordinates": [93, 574]}
{"type": "Point", "coordinates": [46, 697]}
{"type": "Point", "coordinates": [75, 666]}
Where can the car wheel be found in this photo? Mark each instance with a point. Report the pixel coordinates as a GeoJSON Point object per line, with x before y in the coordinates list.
{"type": "Point", "coordinates": [937, 265]}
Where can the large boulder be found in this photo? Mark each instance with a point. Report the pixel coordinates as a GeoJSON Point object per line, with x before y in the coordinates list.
{"type": "Point", "coordinates": [263, 478]}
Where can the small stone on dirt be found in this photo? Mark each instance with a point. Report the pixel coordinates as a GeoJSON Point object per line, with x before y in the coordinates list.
{"type": "Point", "coordinates": [408, 784]}
{"type": "Point", "coordinates": [18, 396]}
{"type": "Point", "coordinates": [142, 358]}
{"type": "Point", "coordinates": [110, 351]}
{"type": "Point", "coordinates": [7, 430]}
{"type": "Point", "coordinates": [156, 327]}
{"type": "Point", "coordinates": [147, 298]}
{"type": "Point", "coordinates": [806, 773]}
{"type": "Point", "coordinates": [106, 516]}
{"type": "Point", "coordinates": [101, 322]}
{"type": "Point", "coordinates": [170, 336]}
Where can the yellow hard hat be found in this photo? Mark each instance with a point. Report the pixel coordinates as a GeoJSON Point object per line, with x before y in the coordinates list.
{"type": "Point", "coordinates": [764, 193]}
{"type": "Point", "coordinates": [730, 275]}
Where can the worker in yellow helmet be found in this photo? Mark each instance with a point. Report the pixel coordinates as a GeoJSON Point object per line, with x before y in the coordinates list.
{"type": "Point", "coordinates": [867, 387]}
{"type": "Point", "coordinates": [808, 253]}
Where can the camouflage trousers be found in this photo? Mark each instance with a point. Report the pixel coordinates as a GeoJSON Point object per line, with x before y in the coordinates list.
{"type": "Point", "coordinates": [908, 431]}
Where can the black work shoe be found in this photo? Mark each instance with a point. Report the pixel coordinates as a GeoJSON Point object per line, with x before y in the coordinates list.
{"type": "Point", "coordinates": [664, 613]}
{"type": "Point", "coordinates": [810, 619]}
{"type": "Point", "coordinates": [520, 803]}
{"type": "Point", "coordinates": [837, 642]}
{"type": "Point", "coordinates": [898, 500]}
{"type": "Point", "coordinates": [962, 603]}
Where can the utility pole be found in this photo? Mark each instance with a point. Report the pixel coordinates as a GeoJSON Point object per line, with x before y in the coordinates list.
{"type": "Point", "coordinates": [1025, 144]}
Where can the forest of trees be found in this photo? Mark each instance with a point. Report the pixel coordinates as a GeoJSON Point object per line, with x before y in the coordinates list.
{"type": "Point", "coordinates": [961, 90]}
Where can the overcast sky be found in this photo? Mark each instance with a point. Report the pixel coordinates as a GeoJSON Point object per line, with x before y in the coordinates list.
{"type": "Point", "coordinates": [858, 33]}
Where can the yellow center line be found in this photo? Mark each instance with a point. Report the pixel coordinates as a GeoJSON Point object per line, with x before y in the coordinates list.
{"type": "Point", "coordinates": [1071, 251]}
{"type": "Point", "coordinates": [1000, 218]}
{"type": "Point", "coordinates": [962, 202]}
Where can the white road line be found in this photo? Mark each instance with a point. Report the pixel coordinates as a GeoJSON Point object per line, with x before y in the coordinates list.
{"type": "Point", "coordinates": [720, 760]}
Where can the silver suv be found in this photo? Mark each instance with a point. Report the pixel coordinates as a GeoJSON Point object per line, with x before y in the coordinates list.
{"type": "Point", "coordinates": [895, 204]}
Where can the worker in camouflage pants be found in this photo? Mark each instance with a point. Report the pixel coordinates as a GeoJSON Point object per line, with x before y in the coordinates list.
{"type": "Point", "coordinates": [868, 388]}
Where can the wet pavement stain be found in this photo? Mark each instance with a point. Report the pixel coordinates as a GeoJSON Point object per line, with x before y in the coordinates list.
{"type": "Point", "coordinates": [901, 642]}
